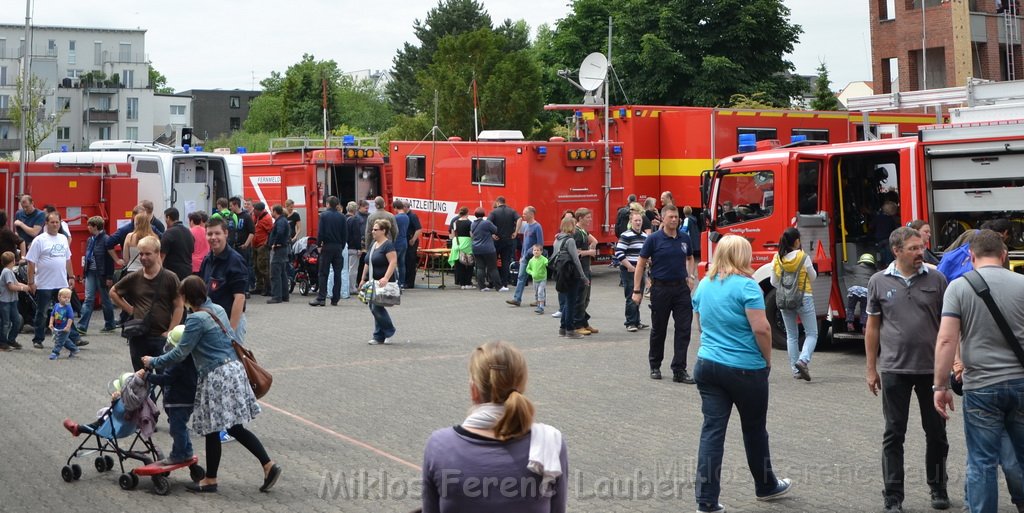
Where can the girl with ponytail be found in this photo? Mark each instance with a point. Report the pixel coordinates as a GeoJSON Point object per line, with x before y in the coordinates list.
{"type": "Point", "coordinates": [521, 463]}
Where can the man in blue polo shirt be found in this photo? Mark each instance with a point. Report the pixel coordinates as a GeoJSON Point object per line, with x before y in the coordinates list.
{"type": "Point", "coordinates": [672, 272]}
{"type": "Point", "coordinates": [226, 275]}
{"type": "Point", "coordinates": [532, 234]}
{"type": "Point", "coordinates": [29, 221]}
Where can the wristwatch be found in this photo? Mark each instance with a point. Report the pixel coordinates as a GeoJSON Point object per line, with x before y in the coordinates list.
{"type": "Point", "coordinates": [635, 291]}
{"type": "Point", "coordinates": [939, 388]}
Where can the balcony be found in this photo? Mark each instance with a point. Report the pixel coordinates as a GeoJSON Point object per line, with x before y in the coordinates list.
{"type": "Point", "coordinates": [10, 144]}
{"type": "Point", "coordinates": [5, 113]}
{"type": "Point", "coordinates": [100, 116]}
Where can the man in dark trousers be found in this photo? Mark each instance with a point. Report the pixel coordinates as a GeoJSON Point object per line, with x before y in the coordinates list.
{"type": "Point", "coordinates": [331, 237]}
{"type": "Point", "coordinates": [226, 275]}
{"type": "Point", "coordinates": [279, 244]}
{"type": "Point", "coordinates": [672, 273]}
{"type": "Point", "coordinates": [904, 308]}
{"type": "Point", "coordinates": [412, 260]}
{"type": "Point", "coordinates": [354, 228]}
{"type": "Point", "coordinates": [177, 245]}
{"type": "Point", "coordinates": [246, 231]}
{"type": "Point", "coordinates": [506, 219]}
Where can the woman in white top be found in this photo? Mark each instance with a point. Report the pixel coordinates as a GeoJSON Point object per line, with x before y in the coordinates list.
{"type": "Point", "coordinates": [143, 228]}
{"type": "Point", "coordinates": [791, 259]}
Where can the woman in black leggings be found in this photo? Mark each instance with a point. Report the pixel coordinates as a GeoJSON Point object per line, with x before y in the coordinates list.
{"type": "Point", "coordinates": [224, 398]}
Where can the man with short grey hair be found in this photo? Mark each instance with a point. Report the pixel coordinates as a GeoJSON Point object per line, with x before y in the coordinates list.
{"type": "Point", "coordinates": [904, 302]}
{"type": "Point", "coordinates": [380, 213]}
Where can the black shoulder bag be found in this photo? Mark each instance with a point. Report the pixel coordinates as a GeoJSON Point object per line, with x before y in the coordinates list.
{"type": "Point", "coordinates": [980, 287]}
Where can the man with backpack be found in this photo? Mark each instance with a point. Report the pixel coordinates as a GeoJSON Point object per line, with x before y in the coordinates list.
{"type": "Point", "coordinates": [904, 303]}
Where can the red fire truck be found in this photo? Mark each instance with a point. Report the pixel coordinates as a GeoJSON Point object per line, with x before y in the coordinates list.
{"type": "Point", "coordinates": [951, 175]}
{"type": "Point", "coordinates": [78, 191]}
{"type": "Point", "coordinates": [307, 171]}
{"type": "Point", "coordinates": [651, 149]}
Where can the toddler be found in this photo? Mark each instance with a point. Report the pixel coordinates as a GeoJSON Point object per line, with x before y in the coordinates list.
{"type": "Point", "coordinates": [61, 320]}
{"type": "Point", "coordinates": [538, 271]}
{"type": "Point", "coordinates": [10, 319]}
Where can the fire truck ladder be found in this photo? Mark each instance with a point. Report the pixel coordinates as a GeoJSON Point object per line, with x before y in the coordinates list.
{"type": "Point", "coordinates": [976, 92]}
{"type": "Point", "coordinates": [1011, 30]}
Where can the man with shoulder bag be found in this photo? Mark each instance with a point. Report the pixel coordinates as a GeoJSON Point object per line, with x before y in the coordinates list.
{"type": "Point", "coordinates": [984, 312]}
{"type": "Point", "coordinates": [151, 300]}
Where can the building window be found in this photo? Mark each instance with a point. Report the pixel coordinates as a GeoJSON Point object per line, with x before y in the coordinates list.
{"type": "Point", "coordinates": [251, 98]}
{"type": "Point", "coordinates": [128, 78]}
{"type": "Point", "coordinates": [124, 52]}
{"type": "Point", "coordinates": [133, 109]}
{"type": "Point", "coordinates": [51, 48]}
{"type": "Point", "coordinates": [3, 75]}
{"type": "Point", "coordinates": [177, 110]}
{"type": "Point", "coordinates": [811, 134]}
{"type": "Point", "coordinates": [63, 133]}
{"type": "Point", "coordinates": [234, 102]}
{"type": "Point", "coordinates": [416, 168]}
{"type": "Point", "coordinates": [104, 132]}
{"type": "Point", "coordinates": [236, 124]}
{"type": "Point", "coordinates": [104, 103]}
{"type": "Point", "coordinates": [488, 171]}
{"type": "Point", "coordinates": [71, 53]}
{"type": "Point", "coordinates": [3, 47]}
{"type": "Point", "coordinates": [5, 101]}
{"type": "Point", "coordinates": [97, 50]}
{"type": "Point", "coordinates": [74, 73]}
{"type": "Point", "coordinates": [131, 133]}
{"type": "Point", "coordinates": [63, 103]}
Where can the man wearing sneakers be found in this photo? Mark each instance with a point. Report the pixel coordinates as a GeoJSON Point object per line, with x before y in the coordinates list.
{"type": "Point", "coordinates": [533, 234]}
{"type": "Point", "coordinates": [506, 220]}
{"type": "Point", "coordinates": [49, 270]}
{"type": "Point", "coordinates": [672, 272]}
{"type": "Point", "coordinates": [904, 303]}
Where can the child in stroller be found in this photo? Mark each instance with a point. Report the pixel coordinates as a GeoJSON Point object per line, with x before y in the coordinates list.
{"type": "Point", "coordinates": [131, 413]}
{"type": "Point", "coordinates": [306, 265]}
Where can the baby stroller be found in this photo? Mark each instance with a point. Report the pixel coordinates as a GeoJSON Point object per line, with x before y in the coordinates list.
{"type": "Point", "coordinates": [306, 265]}
{"type": "Point", "coordinates": [114, 434]}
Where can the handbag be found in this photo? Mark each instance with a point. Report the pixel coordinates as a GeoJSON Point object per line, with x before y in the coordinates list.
{"type": "Point", "coordinates": [467, 259]}
{"type": "Point", "coordinates": [122, 272]}
{"type": "Point", "coordinates": [388, 295]}
{"type": "Point", "coordinates": [259, 378]}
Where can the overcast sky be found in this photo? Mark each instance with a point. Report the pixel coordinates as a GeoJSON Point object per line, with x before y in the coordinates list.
{"type": "Point", "coordinates": [233, 44]}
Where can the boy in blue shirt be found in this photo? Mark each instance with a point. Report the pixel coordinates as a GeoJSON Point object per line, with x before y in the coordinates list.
{"type": "Point", "coordinates": [61, 320]}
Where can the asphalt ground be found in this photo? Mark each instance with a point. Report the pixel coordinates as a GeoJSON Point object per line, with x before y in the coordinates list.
{"type": "Point", "coordinates": [348, 421]}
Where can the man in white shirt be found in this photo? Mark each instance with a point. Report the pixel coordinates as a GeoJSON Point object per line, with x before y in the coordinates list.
{"type": "Point", "coordinates": [49, 270]}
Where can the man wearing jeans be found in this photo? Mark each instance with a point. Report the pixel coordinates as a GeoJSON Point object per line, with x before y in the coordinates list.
{"type": "Point", "coordinates": [98, 274]}
{"type": "Point", "coordinates": [533, 234]}
{"type": "Point", "coordinates": [993, 376]}
{"type": "Point", "coordinates": [506, 220]}
{"type": "Point", "coordinates": [279, 243]}
{"type": "Point", "coordinates": [904, 302]}
{"type": "Point", "coordinates": [49, 270]}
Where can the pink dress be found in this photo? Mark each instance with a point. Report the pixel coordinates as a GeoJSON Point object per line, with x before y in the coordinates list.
{"type": "Point", "coordinates": [202, 247]}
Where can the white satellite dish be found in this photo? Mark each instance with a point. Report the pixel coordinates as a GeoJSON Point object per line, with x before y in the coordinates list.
{"type": "Point", "coordinates": [593, 71]}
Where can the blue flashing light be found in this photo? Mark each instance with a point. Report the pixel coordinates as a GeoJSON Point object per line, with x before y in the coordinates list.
{"type": "Point", "coordinates": [185, 147]}
{"type": "Point", "coordinates": [578, 114]}
{"type": "Point", "coordinates": [617, 150]}
{"type": "Point", "coordinates": [348, 140]}
{"type": "Point", "coordinates": [798, 138]}
{"type": "Point", "coordinates": [622, 112]}
{"type": "Point", "coordinates": [241, 149]}
{"type": "Point", "coordinates": [542, 150]}
{"type": "Point", "coordinates": [63, 148]}
{"type": "Point", "coordinates": [199, 148]}
{"type": "Point", "coordinates": [748, 143]}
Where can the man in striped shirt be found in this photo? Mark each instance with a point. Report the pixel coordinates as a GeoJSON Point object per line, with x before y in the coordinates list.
{"type": "Point", "coordinates": [627, 251]}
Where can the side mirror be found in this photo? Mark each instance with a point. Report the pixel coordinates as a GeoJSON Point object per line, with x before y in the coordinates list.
{"type": "Point", "coordinates": [714, 237]}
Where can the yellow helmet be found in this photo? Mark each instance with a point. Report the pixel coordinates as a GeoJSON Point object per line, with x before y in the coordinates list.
{"type": "Point", "coordinates": [867, 258]}
{"type": "Point", "coordinates": [118, 383]}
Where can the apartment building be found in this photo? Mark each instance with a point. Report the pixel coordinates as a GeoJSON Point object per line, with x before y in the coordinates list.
{"type": "Point", "coordinates": [95, 80]}
{"type": "Point", "coordinates": [218, 112]}
{"type": "Point", "coordinates": [931, 44]}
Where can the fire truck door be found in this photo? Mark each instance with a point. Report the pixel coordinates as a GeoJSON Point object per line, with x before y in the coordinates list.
{"type": "Point", "coordinates": [191, 186]}
{"type": "Point", "coordinates": [814, 225]}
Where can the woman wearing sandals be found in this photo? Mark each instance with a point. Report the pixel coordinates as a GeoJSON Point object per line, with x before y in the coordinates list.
{"type": "Point", "coordinates": [224, 398]}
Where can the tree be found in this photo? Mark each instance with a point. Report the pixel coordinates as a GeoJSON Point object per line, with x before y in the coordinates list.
{"type": "Point", "coordinates": [292, 103]}
{"type": "Point", "coordinates": [507, 83]}
{"type": "Point", "coordinates": [362, 105]}
{"type": "Point", "coordinates": [36, 126]}
{"type": "Point", "coordinates": [158, 82]}
{"type": "Point", "coordinates": [681, 52]}
{"type": "Point", "coordinates": [449, 18]}
{"type": "Point", "coordinates": [266, 114]}
{"type": "Point", "coordinates": [824, 98]}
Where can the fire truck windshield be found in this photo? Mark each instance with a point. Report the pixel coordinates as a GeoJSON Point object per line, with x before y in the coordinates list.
{"type": "Point", "coordinates": [744, 196]}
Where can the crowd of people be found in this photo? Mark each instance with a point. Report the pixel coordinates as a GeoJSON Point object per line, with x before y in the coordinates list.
{"type": "Point", "coordinates": [922, 330]}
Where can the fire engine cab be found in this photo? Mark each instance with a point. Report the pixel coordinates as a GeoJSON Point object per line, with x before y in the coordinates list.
{"type": "Point", "coordinates": [954, 176]}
